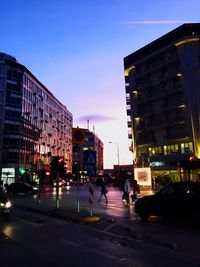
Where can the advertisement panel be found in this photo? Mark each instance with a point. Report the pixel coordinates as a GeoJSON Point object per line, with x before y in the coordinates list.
{"type": "Point", "coordinates": [143, 176]}
{"type": "Point", "coordinates": [8, 175]}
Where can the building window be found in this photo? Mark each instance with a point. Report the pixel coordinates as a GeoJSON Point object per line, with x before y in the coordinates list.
{"type": "Point", "coordinates": [2, 68]}
{"type": "Point", "coordinates": [186, 147]}
{"type": "Point", "coordinates": [155, 151]}
{"type": "Point", "coordinates": [165, 150]}
{"type": "Point", "coordinates": [1, 83]}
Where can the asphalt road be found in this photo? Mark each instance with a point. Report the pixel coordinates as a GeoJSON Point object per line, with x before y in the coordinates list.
{"type": "Point", "coordinates": [121, 239]}
{"type": "Point", "coordinates": [30, 239]}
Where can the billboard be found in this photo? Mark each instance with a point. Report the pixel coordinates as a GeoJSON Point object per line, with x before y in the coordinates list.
{"type": "Point", "coordinates": [143, 176]}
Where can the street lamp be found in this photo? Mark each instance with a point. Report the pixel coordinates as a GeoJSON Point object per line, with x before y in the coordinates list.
{"type": "Point", "coordinates": [117, 151]}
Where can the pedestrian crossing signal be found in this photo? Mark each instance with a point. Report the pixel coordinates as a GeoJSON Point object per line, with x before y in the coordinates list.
{"type": "Point", "coordinates": [22, 170]}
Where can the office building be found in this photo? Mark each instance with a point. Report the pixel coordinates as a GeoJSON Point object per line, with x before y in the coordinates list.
{"type": "Point", "coordinates": [88, 152]}
{"type": "Point", "coordinates": [162, 82]}
{"type": "Point", "coordinates": [34, 125]}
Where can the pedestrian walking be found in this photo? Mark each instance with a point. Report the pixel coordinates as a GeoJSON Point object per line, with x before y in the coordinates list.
{"type": "Point", "coordinates": [136, 190]}
{"type": "Point", "coordinates": [126, 192]}
{"type": "Point", "coordinates": [104, 192]}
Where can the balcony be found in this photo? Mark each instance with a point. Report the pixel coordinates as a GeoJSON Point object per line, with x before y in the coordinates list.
{"type": "Point", "coordinates": [144, 140]}
{"type": "Point", "coordinates": [176, 136]}
{"type": "Point", "coordinates": [157, 123]}
{"type": "Point", "coordinates": [145, 111]}
{"type": "Point", "coordinates": [180, 119]}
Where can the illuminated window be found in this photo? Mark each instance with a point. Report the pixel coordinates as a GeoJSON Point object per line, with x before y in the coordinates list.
{"type": "Point", "coordinates": [182, 148]}
{"type": "Point", "coordinates": [187, 147]}
{"type": "Point", "coordinates": [165, 150]}
{"type": "Point", "coordinates": [191, 147]}
{"type": "Point", "coordinates": [176, 147]}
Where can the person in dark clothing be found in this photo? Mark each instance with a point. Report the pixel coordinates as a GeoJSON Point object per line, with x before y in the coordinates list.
{"type": "Point", "coordinates": [104, 191]}
{"type": "Point", "coordinates": [136, 190]}
{"type": "Point", "coordinates": [126, 192]}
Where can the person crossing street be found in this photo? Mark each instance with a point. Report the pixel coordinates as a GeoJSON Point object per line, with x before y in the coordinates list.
{"type": "Point", "coordinates": [104, 191]}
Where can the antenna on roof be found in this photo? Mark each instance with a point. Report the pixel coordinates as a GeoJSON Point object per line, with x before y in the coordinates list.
{"type": "Point", "coordinates": [88, 121]}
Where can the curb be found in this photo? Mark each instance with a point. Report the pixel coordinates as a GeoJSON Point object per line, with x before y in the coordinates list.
{"type": "Point", "coordinates": [89, 219]}
{"type": "Point", "coordinates": [56, 214]}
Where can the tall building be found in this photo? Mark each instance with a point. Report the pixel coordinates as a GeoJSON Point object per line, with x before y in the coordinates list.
{"type": "Point", "coordinates": [88, 151]}
{"type": "Point", "coordinates": [34, 125]}
{"type": "Point", "coordinates": [162, 82]}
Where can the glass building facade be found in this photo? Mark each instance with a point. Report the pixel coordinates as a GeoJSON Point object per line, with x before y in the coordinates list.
{"type": "Point", "coordinates": [34, 125]}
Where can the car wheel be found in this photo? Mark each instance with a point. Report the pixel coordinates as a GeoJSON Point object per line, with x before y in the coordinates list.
{"type": "Point", "coordinates": [143, 213]}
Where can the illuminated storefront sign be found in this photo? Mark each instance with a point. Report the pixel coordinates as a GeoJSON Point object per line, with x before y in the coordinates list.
{"type": "Point", "coordinates": [157, 164]}
{"type": "Point", "coordinates": [8, 175]}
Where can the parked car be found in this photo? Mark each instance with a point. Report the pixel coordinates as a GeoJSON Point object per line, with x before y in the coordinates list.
{"type": "Point", "coordinates": [21, 188]}
{"type": "Point", "coordinates": [178, 199]}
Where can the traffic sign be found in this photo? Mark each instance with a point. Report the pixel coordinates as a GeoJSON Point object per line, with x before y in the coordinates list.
{"type": "Point", "coordinates": [90, 156]}
{"type": "Point", "coordinates": [78, 136]}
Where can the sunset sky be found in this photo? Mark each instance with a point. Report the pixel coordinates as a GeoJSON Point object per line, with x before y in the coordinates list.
{"type": "Point", "coordinates": [76, 49]}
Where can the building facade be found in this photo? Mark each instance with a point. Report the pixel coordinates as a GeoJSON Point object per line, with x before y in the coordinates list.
{"type": "Point", "coordinates": [162, 82]}
{"type": "Point", "coordinates": [34, 125]}
{"type": "Point", "coordinates": [88, 151]}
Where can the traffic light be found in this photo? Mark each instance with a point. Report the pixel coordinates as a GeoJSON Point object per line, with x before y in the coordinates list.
{"type": "Point", "coordinates": [58, 165]}
{"type": "Point", "coordinates": [75, 168]}
{"type": "Point", "coordinates": [190, 162]}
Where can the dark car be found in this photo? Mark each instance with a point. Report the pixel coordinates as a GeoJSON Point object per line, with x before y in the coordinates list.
{"type": "Point", "coordinates": [178, 199]}
{"type": "Point", "coordinates": [21, 188]}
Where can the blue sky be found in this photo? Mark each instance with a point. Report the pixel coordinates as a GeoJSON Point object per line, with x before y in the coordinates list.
{"type": "Point", "coordinates": [76, 49]}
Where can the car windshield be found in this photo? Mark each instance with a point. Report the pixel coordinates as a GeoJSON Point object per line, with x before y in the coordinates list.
{"type": "Point", "coordinates": [180, 189]}
{"type": "Point", "coordinates": [168, 190]}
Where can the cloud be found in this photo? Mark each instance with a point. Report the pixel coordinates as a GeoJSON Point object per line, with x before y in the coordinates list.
{"type": "Point", "coordinates": [94, 118]}
{"type": "Point", "coordinates": [151, 22]}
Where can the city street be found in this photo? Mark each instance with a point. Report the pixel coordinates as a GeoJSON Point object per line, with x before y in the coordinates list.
{"type": "Point", "coordinates": [120, 239]}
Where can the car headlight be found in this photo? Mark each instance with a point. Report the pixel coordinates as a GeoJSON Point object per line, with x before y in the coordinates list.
{"type": "Point", "coordinates": [7, 204]}
{"type": "Point", "coordinates": [2, 204]}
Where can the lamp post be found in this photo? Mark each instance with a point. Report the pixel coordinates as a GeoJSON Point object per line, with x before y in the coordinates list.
{"type": "Point", "coordinates": [118, 159]}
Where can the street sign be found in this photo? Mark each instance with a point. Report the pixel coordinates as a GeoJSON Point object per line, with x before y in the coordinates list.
{"type": "Point", "coordinates": [91, 163]}
{"type": "Point", "coordinates": [78, 136]}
